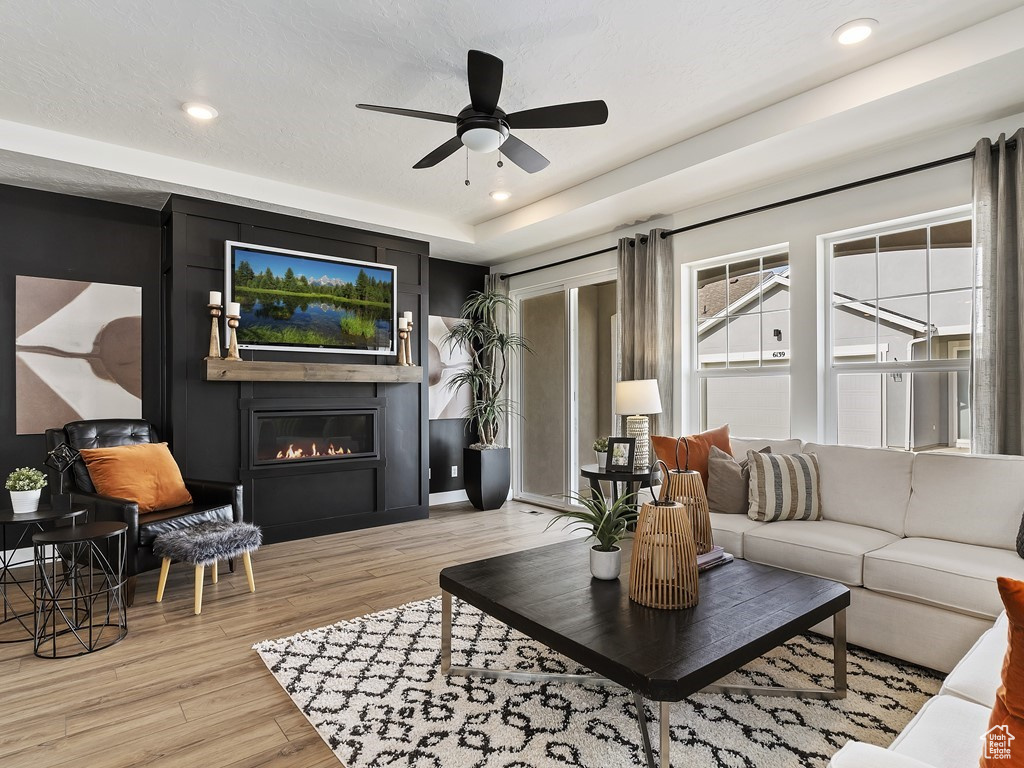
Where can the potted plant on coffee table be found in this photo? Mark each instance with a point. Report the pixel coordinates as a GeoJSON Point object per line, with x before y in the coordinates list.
{"type": "Point", "coordinates": [25, 485]}
{"type": "Point", "coordinates": [491, 349]}
{"type": "Point", "coordinates": [601, 451]}
{"type": "Point", "coordinates": [607, 523]}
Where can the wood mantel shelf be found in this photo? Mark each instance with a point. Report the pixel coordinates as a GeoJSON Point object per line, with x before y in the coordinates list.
{"type": "Point", "coordinates": [266, 370]}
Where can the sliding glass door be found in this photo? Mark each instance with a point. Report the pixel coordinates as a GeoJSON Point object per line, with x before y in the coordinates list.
{"type": "Point", "coordinates": [564, 387]}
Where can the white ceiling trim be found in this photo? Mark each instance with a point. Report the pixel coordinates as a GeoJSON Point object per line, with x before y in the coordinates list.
{"type": "Point", "coordinates": [63, 147]}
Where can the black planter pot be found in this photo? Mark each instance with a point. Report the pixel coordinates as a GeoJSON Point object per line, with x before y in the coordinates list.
{"type": "Point", "coordinates": [488, 476]}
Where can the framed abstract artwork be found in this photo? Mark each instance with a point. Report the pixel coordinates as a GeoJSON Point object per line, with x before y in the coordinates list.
{"type": "Point", "coordinates": [78, 352]}
{"type": "Point", "coordinates": [442, 363]}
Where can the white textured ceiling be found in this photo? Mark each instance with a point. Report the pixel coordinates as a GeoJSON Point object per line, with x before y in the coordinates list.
{"type": "Point", "coordinates": [286, 75]}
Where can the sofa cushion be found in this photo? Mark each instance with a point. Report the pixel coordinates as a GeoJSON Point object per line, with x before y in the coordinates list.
{"type": "Point", "coordinates": [728, 531]}
{"type": "Point", "coordinates": [976, 676]}
{"type": "Point", "coordinates": [946, 733]}
{"type": "Point", "coordinates": [864, 486]}
{"type": "Point", "coordinates": [1007, 716]}
{"type": "Point", "coordinates": [740, 445]}
{"type": "Point", "coordinates": [817, 547]}
{"type": "Point", "coordinates": [946, 494]}
{"type": "Point", "coordinates": [155, 523]}
{"type": "Point", "coordinates": [857, 754]}
{"type": "Point", "coordinates": [693, 453]}
{"type": "Point", "coordinates": [784, 487]}
{"type": "Point", "coordinates": [728, 481]}
{"type": "Point", "coordinates": [947, 574]}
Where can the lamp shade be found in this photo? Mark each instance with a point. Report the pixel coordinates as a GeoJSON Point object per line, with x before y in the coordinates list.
{"type": "Point", "coordinates": [633, 398]}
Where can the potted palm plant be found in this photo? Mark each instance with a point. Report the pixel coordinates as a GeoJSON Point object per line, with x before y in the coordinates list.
{"type": "Point", "coordinates": [607, 524]}
{"type": "Point", "coordinates": [491, 349]}
{"type": "Point", "coordinates": [25, 485]}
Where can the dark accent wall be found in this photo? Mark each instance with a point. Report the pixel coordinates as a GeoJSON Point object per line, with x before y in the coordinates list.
{"type": "Point", "coordinates": [204, 417]}
{"type": "Point", "coordinates": [450, 283]}
{"type": "Point", "coordinates": [73, 238]}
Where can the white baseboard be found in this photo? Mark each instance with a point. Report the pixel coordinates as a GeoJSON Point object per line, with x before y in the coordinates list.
{"type": "Point", "coordinates": [448, 497]}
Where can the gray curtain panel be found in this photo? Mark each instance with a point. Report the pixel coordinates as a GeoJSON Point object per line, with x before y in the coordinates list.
{"type": "Point", "coordinates": [645, 316]}
{"type": "Point", "coordinates": [998, 365]}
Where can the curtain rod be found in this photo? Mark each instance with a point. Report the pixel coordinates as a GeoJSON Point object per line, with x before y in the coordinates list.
{"type": "Point", "coordinates": [767, 207]}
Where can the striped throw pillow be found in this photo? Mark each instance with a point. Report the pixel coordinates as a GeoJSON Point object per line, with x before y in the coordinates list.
{"type": "Point", "coordinates": [784, 487]}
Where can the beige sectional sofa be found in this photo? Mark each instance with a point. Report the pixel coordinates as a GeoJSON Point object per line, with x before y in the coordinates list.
{"type": "Point", "coordinates": [918, 538]}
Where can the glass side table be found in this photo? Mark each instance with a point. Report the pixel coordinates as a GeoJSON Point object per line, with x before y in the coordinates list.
{"type": "Point", "coordinates": [16, 530]}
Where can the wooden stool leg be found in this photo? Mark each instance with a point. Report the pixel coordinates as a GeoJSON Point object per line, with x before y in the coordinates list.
{"type": "Point", "coordinates": [213, 572]}
{"type": "Point", "coordinates": [165, 568]}
{"type": "Point", "coordinates": [199, 589]}
{"type": "Point", "coordinates": [247, 561]}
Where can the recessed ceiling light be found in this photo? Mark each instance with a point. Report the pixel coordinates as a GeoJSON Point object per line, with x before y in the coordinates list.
{"type": "Point", "coordinates": [853, 32]}
{"type": "Point", "coordinates": [199, 111]}
{"type": "Point", "coordinates": [500, 194]}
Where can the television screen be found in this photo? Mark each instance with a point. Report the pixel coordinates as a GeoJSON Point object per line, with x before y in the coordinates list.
{"type": "Point", "coordinates": [306, 301]}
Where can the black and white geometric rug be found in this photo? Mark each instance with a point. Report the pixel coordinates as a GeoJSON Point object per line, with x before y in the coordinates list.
{"type": "Point", "coordinates": [372, 689]}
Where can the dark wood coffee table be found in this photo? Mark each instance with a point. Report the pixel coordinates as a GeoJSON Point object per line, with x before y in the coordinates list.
{"type": "Point", "coordinates": [745, 610]}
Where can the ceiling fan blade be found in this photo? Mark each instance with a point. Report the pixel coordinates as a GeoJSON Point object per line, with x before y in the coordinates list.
{"type": "Point", "coordinates": [561, 116]}
{"type": "Point", "coordinates": [450, 147]}
{"type": "Point", "coordinates": [409, 113]}
{"type": "Point", "coordinates": [484, 72]}
{"type": "Point", "coordinates": [523, 155]}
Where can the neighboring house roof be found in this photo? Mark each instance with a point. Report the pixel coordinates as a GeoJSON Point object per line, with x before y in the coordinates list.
{"type": "Point", "coordinates": [713, 297]}
{"type": "Point", "coordinates": [781, 279]}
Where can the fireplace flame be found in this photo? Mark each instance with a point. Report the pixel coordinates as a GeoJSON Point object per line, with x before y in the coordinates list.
{"type": "Point", "coordinates": [291, 452]}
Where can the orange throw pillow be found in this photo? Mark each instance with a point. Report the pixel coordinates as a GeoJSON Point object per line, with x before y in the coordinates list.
{"type": "Point", "coordinates": [143, 473]}
{"type": "Point", "coordinates": [699, 449]}
{"type": "Point", "coordinates": [1006, 724]}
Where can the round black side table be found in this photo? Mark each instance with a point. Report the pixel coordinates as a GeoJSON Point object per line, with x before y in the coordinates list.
{"type": "Point", "coordinates": [79, 589]}
{"type": "Point", "coordinates": [16, 529]}
{"type": "Point", "coordinates": [631, 481]}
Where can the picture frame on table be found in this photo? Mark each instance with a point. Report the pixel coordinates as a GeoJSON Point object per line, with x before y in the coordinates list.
{"type": "Point", "coordinates": [621, 453]}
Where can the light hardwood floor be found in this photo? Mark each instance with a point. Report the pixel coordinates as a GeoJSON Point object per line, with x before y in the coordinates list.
{"type": "Point", "coordinates": [186, 690]}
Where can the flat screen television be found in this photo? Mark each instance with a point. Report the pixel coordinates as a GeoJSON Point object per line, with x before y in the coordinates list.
{"type": "Point", "coordinates": [310, 302]}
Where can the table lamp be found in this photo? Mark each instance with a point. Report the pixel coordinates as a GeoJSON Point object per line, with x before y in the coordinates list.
{"type": "Point", "coordinates": [635, 400]}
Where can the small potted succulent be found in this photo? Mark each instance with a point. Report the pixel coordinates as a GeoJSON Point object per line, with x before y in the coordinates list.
{"type": "Point", "coordinates": [601, 451]}
{"type": "Point", "coordinates": [607, 524]}
{"type": "Point", "coordinates": [25, 485]}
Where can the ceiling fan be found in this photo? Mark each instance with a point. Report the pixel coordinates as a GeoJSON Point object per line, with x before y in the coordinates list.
{"type": "Point", "coordinates": [484, 127]}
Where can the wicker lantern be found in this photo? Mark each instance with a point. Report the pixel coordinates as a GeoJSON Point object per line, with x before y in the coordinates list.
{"type": "Point", "coordinates": [686, 487]}
{"type": "Point", "coordinates": [663, 566]}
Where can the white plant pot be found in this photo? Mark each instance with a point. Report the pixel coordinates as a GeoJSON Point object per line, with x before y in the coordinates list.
{"type": "Point", "coordinates": [605, 565]}
{"type": "Point", "coordinates": [25, 501]}
{"type": "Point", "coordinates": [601, 457]}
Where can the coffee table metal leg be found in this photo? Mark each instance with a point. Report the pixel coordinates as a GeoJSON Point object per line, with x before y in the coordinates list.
{"type": "Point", "coordinates": [641, 719]}
{"type": "Point", "coordinates": [663, 749]}
{"type": "Point", "coordinates": [446, 632]}
{"type": "Point", "coordinates": [838, 690]}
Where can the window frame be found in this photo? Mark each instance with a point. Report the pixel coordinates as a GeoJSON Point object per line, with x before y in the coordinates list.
{"type": "Point", "coordinates": [698, 376]}
{"type": "Point", "coordinates": [831, 369]}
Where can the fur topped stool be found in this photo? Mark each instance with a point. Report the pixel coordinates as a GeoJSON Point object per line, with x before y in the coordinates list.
{"type": "Point", "coordinates": [205, 544]}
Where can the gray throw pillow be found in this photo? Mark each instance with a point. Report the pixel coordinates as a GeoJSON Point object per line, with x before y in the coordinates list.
{"type": "Point", "coordinates": [728, 482]}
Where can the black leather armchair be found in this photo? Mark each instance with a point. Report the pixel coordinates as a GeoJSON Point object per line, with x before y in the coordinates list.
{"type": "Point", "coordinates": [211, 500]}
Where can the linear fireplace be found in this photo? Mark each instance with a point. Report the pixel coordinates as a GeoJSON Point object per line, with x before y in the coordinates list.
{"type": "Point", "coordinates": [283, 437]}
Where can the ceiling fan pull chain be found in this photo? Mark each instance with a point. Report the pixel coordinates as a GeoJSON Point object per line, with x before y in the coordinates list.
{"type": "Point", "coordinates": [467, 166]}
{"type": "Point", "coordinates": [500, 164]}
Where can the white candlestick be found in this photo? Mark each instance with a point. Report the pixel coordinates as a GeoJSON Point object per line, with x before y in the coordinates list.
{"type": "Point", "coordinates": [407, 316]}
{"type": "Point", "coordinates": [403, 323]}
{"type": "Point", "coordinates": [234, 308]}
{"type": "Point", "coordinates": [215, 298]}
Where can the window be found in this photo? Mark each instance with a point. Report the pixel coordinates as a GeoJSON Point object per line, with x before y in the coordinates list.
{"type": "Point", "coordinates": [742, 344]}
{"type": "Point", "coordinates": [900, 313]}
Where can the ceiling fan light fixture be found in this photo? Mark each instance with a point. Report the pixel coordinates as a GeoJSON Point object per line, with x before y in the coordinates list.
{"type": "Point", "coordinates": [856, 31]}
{"type": "Point", "coordinates": [484, 139]}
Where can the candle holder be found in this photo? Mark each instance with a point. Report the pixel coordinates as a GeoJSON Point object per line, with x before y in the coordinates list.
{"type": "Point", "coordinates": [233, 339]}
{"type": "Point", "coordinates": [214, 331]}
{"type": "Point", "coordinates": [403, 336]}
{"type": "Point", "coordinates": [408, 345]}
